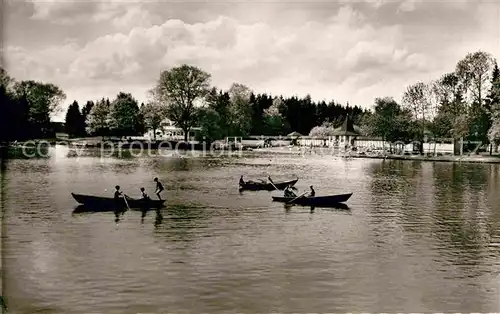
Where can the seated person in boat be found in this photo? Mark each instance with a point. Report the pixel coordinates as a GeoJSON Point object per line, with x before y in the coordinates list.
{"type": "Point", "coordinates": [242, 182]}
{"type": "Point", "coordinates": [118, 193]}
{"type": "Point", "coordinates": [118, 196]}
{"type": "Point", "coordinates": [288, 192]}
{"type": "Point", "coordinates": [144, 195]}
{"type": "Point", "coordinates": [312, 193]}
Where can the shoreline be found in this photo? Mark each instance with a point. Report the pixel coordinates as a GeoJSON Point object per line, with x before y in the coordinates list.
{"type": "Point", "coordinates": [484, 159]}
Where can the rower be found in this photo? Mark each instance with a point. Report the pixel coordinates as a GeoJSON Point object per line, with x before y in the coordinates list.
{"type": "Point", "coordinates": [118, 193]}
{"type": "Point", "coordinates": [289, 192]}
{"type": "Point", "coordinates": [118, 196]}
{"type": "Point", "coordinates": [313, 193]}
{"type": "Point", "coordinates": [144, 194]}
{"type": "Point", "coordinates": [159, 188]}
{"type": "Point", "coordinates": [242, 182]}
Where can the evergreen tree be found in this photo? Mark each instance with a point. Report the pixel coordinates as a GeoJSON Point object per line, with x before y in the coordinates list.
{"type": "Point", "coordinates": [75, 123]}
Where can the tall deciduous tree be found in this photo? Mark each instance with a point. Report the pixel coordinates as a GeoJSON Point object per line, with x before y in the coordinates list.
{"type": "Point", "coordinates": [473, 72]}
{"type": "Point", "coordinates": [42, 99]}
{"type": "Point", "coordinates": [124, 115]}
{"type": "Point", "coordinates": [418, 99]}
{"type": "Point", "coordinates": [240, 110]}
{"type": "Point", "coordinates": [179, 89]}
{"type": "Point", "coordinates": [274, 123]}
{"type": "Point", "coordinates": [390, 121]}
{"type": "Point", "coordinates": [451, 119]}
{"type": "Point", "coordinates": [211, 125]}
{"type": "Point", "coordinates": [493, 103]}
{"type": "Point", "coordinates": [98, 120]}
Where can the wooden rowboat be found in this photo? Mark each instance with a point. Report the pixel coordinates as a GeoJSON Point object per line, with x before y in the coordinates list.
{"type": "Point", "coordinates": [263, 186]}
{"type": "Point", "coordinates": [315, 201]}
{"type": "Point", "coordinates": [109, 204]}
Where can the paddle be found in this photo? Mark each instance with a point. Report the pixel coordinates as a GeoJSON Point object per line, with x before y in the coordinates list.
{"type": "Point", "coordinates": [125, 199]}
{"type": "Point", "coordinates": [269, 178]}
{"type": "Point", "coordinates": [297, 197]}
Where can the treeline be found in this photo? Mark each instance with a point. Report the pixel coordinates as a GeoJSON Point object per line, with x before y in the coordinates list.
{"type": "Point", "coordinates": [182, 94]}
{"type": "Point", "coordinates": [223, 115]}
{"type": "Point", "coordinates": [240, 112]}
{"type": "Point", "coordinates": [463, 104]}
{"type": "Point", "coordinates": [237, 111]}
{"type": "Point", "coordinates": [121, 117]}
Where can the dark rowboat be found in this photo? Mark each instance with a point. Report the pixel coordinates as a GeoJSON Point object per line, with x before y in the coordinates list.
{"type": "Point", "coordinates": [315, 201]}
{"type": "Point", "coordinates": [109, 203]}
{"type": "Point", "coordinates": [263, 186]}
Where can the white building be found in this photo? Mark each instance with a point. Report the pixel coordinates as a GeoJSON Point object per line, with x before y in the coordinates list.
{"type": "Point", "coordinates": [168, 131]}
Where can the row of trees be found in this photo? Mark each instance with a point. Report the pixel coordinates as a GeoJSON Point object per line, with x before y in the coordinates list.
{"type": "Point", "coordinates": [185, 96]}
{"type": "Point", "coordinates": [461, 104]}
{"type": "Point", "coordinates": [238, 111]}
{"type": "Point", "coordinates": [120, 117]}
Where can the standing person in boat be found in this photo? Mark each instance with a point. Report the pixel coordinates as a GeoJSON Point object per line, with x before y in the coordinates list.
{"type": "Point", "coordinates": [159, 188]}
{"type": "Point", "coordinates": [242, 182]}
{"type": "Point", "coordinates": [312, 193]}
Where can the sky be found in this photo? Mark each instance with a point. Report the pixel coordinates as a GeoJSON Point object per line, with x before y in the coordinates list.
{"type": "Point", "coordinates": [347, 51]}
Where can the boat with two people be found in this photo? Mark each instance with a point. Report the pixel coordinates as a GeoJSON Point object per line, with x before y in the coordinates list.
{"type": "Point", "coordinates": [311, 199]}
{"type": "Point", "coordinates": [265, 186]}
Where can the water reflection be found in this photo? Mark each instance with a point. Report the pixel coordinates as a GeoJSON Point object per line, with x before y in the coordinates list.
{"type": "Point", "coordinates": [181, 222]}
{"type": "Point", "coordinates": [340, 207]}
{"type": "Point", "coordinates": [446, 200]}
{"type": "Point", "coordinates": [418, 237]}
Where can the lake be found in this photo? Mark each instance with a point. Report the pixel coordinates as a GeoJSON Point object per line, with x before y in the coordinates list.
{"type": "Point", "coordinates": [417, 237]}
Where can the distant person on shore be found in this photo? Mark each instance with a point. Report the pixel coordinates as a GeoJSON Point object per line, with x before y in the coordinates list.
{"type": "Point", "coordinates": [312, 193]}
{"type": "Point", "coordinates": [159, 188]}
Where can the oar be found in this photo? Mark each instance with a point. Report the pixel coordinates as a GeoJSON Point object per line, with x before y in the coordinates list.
{"type": "Point", "coordinates": [126, 203]}
{"type": "Point", "coordinates": [269, 178]}
{"type": "Point", "coordinates": [297, 197]}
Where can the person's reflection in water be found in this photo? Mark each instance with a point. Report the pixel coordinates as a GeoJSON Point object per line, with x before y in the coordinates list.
{"type": "Point", "coordinates": [145, 204]}
{"type": "Point", "coordinates": [117, 216]}
{"type": "Point", "coordinates": [143, 215]}
{"type": "Point", "coordinates": [312, 209]}
{"type": "Point", "coordinates": [159, 218]}
{"type": "Point", "coordinates": [288, 207]}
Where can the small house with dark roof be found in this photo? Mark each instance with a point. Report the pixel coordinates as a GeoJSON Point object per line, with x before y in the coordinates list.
{"type": "Point", "coordinates": [346, 134]}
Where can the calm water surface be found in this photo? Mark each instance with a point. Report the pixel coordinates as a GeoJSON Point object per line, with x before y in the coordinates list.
{"type": "Point", "coordinates": [421, 237]}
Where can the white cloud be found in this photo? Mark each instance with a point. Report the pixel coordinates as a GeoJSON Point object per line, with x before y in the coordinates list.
{"type": "Point", "coordinates": [344, 57]}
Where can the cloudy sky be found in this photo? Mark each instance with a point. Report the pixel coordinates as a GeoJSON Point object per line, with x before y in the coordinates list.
{"type": "Point", "coordinates": [342, 50]}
